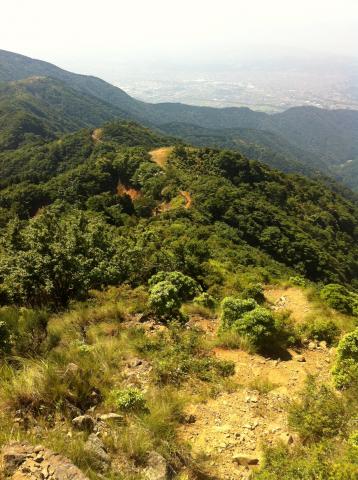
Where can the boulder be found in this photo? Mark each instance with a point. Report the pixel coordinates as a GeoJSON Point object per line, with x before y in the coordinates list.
{"type": "Point", "coordinates": [157, 468]}
{"type": "Point", "coordinates": [111, 417]}
{"type": "Point", "coordinates": [14, 455]}
{"type": "Point", "coordinates": [85, 423]}
{"type": "Point", "coordinates": [22, 461]}
{"type": "Point", "coordinates": [245, 460]}
{"type": "Point", "coordinates": [95, 447]}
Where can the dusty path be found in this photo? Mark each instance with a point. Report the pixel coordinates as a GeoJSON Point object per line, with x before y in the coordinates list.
{"type": "Point", "coordinates": [254, 415]}
{"type": "Point", "coordinates": [96, 135]}
{"type": "Point", "coordinates": [292, 299]}
{"type": "Point", "coordinates": [160, 155]}
{"type": "Point", "coordinates": [187, 198]}
{"type": "Point", "coordinates": [131, 192]}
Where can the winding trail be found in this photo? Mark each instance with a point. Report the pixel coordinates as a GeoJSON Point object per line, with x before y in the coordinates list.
{"type": "Point", "coordinates": [242, 421]}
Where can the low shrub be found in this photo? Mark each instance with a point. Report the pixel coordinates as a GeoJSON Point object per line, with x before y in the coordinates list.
{"type": "Point", "coordinates": [205, 300]}
{"type": "Point", "coordinates": [298, 281]}
{"type": "Point", "coordinates": [164, 299]}
{"type": "Point", "coordinates": [254, 291]}
{"type": "Point", "coordinates": [319, 328]}
{"type": "Point", "coordinates": [186, 287]}
{"type": "Point", "coordinates": [258, 326]}
{"type": "Point", "coordinates": [128, 400]}
{"type": "Point", "coordinates": [232, 309]}
{"type": "Point", "coordinates": [345, 371]}
{"type": "Point", "coordinates": [340, 298]}
{"type": "Point", "coordinates": [320, 413]}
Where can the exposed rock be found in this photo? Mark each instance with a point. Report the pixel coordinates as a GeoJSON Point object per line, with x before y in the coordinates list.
{"type": "Point", "coordinates": [157, 467]}
{"type": "Point", "coordinates": [13, 456]}
{"type": "Point", "coordinates": [245, 460]}
{"type": "Point", "coordinates": [111, 416]}
{"type": "Point", "coordinates": [187, 418]}
{"type": "Point", "coordinates": [286, 438]}
{"type": "Point", "coordinates": [300, 358]}
{"type": "Point", "coordinates": [95, 447]}
{"type": "Point", "coordinates": [22, 461]}
{"type": "Point", "coordinates": [72, 369]}
{"type": "Point", "coordinates": [84, 423]}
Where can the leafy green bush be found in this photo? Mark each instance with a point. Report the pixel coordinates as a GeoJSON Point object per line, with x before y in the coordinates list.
{"type": "Point", "coordinates": [345, 371]}
{"type": "Point", "coordinates": [205, 300]}
{"type": "Point", "coordinates": [340, 298]}
{"type": "Point", "coordinates": [353, 439]}
{"type": "Point", "coordinates": [255, 291]}
{"type": "Point", "coordinates": [245, 317]}
{"type": "Point", "coordinates": [320, 413]}
{"type": "Point", "coordinates": [164, 299]}
{"type": "Point", "coordinates": [4, 338]}
{"type": "Point", "coordinates": [186, 287]}
{"type": "Point", "coordinates": [258, 326]}
{"type": "Point", "coordinates": [232, 309]}
{"type": "Point", "coordinates": [319, 328]}
{"type": "Point", "coordinates": [129, 400]}
{"type": "Point", "coordinates": [298, 280]}
{"type": "Point", "coordinates": [323, 461]}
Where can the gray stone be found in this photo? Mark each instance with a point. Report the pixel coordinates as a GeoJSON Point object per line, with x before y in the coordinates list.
{"type": "Point", "coordinates": [95, 447]}
{"type": "Point", "coordinates": [245, 460]}
{"type": "Point", "coordinates": [111, 416]}
{"type": "Point", "coordinates": [84, 423]}
{"type": "Point", "coordinates": [157, 468]}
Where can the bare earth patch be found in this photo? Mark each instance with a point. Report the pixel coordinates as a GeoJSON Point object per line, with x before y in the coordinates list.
{"type": "Point", "coordinates": [292, 299]}
{"type": "Point", "coordinates": [160, 155]}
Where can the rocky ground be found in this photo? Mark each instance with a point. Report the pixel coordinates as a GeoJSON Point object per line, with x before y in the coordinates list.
{"type": "Point", "coordinates": [229, 431]}
{"type": "Point", "coordinates": [232, 429]}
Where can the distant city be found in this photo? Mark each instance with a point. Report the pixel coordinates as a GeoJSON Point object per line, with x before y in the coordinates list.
{"type": "Point", "coordinates": [270, 89]}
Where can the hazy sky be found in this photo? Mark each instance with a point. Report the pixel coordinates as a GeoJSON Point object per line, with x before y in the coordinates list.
{"type": "Point", "coordinates": [86, 35]}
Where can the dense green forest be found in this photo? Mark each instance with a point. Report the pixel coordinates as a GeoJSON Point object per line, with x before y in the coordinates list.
{"type": "Point", "coordinates": [282, 220]}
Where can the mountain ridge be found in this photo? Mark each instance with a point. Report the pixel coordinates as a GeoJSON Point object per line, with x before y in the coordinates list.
{"type": "Point", "coordinates": [327, 137]}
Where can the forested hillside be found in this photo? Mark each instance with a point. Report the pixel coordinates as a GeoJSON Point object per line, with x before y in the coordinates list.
{"type": "Point", "coordinates": [40, 108]}
{"type": "Point", "coordinates": [109, 175]}
{"type": "Point", "coordinates": [126, 260]}
{"type": "Point", "coordinates": [170, 310]}
{"type": "Point", "coordinates": [316, 137]}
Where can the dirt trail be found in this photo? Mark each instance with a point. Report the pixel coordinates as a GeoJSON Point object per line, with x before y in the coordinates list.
{"type": "Point", "coordinates": [242, 422]}
{"type": "Point", "coordinates": [292, 299]}
{"type": "Point", "coordinates": [187, 198]}
{"type": "Point", "coordinates": [96, 135]}
{"type": "Point", "coordinates": [160, 155]}
{"type": "Point", "coordinates": [131, 192]}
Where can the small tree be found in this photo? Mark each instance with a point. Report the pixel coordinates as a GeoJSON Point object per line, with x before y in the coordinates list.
{"type": "Point", "coordinates": [187, 288]}
{"type": "Point", "coordinates": [164, 299]}
{"type": "Point", "coordinates": [257, 325]}
{"type": "Point", "coordinates": [232, 309]}
{"type": "Point", "coordinates": [345, 371]}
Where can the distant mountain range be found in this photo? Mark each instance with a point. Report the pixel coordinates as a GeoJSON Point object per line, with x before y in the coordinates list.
{"type": "Point", "coordinates": [39, 100]}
